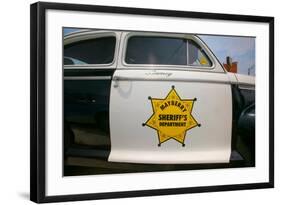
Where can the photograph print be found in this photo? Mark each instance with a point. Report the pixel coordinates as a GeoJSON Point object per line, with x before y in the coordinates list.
{"type": "Point", "coordinates": [138, 101]}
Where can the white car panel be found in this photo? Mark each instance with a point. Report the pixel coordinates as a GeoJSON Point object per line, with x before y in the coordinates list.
{"type": "Point", "coordinates": [130, 108]}
{"type": "Point", "coordinates": [245, 79]}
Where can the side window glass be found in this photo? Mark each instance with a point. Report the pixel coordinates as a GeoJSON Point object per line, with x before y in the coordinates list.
{"type": "Point", "coordinates": [156, 50]}
{"type": "Point", "coordinates": [93, 51]}
{"type": "Point", "coordinates": [196, 55]}
{"type": "Point", "coordinates": [165, 51]}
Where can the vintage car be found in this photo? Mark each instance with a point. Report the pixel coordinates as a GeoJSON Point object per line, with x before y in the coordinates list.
{"type": "Point", "coordinates": [154, 98]}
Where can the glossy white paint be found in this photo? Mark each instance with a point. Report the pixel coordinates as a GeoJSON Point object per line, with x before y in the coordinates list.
{"type": "Point", "coordinates": [232, 78]}
{"type": "Point", "coordinates": [130, 107]}
{"type": "Point", "coordinates": [245, 79]}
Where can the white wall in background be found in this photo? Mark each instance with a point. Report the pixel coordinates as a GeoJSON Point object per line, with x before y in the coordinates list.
{"type": "Point", "coordinates": [14, 101]}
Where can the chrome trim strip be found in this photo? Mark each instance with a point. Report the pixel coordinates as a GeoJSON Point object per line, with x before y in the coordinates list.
{"type": "Point", "coordinates": [118, 78]}
{"type": "Point", "coordinates": [172, 69]}
{"type": "Point", "coordinates": [246, 87]}
{"type": "Point", "coordinates": [88, 66]}
{"type": "Point", "coordinates": [87, 78]}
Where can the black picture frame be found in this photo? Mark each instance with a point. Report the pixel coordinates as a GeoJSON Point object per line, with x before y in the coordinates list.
{"type": "Point", "coordinates": [38, 100]}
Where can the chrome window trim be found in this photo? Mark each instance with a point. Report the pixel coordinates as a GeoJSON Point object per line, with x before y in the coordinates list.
{"type": "Point", "coordinates": [87, 77]}
{"type": "Point", "coordinates": [86, 35]}
{"type": "Point", "coordinates": [171, 67]}
{"type": "Point", "coordinates": [89, 66]}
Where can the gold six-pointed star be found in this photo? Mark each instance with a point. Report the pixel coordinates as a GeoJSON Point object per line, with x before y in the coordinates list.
{"type": "Point", "coordinates": [172, 117]}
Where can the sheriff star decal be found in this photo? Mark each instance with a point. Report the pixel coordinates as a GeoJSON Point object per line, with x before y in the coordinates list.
{"type": "Point", "coordinates": [172, 117]}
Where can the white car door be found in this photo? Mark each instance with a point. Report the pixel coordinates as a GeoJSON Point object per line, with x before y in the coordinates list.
{"type": "Point", "coordinates": [170, 102]}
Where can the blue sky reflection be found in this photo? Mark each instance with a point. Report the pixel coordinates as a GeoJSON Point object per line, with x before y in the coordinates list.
{"type": "Point", "coordinates": [240, 49]}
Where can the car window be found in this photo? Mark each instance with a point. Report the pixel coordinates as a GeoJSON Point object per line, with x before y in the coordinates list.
{"type": "Point", "coordinates": [164, 51]}
{"type": "Point", "coordinates": [93, 51]}
{"type": "Point", "coordinates": [196, 55]}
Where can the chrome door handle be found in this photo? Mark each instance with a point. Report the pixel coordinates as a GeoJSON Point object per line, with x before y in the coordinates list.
{"type": "Point", "coordinates": [116, 81]}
